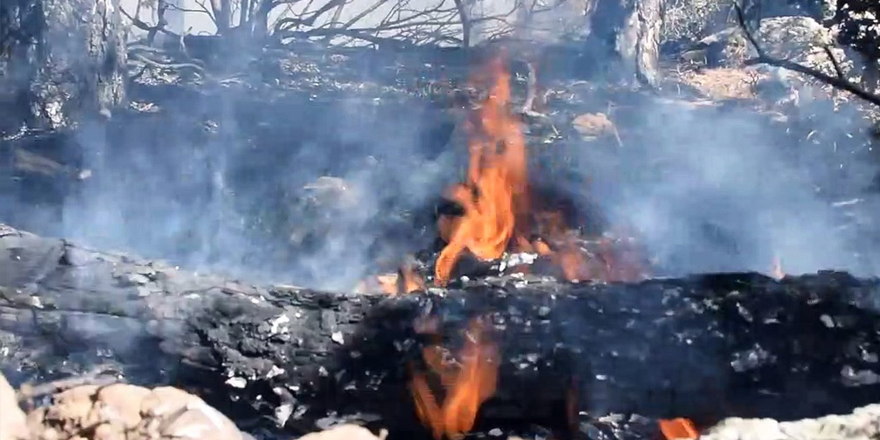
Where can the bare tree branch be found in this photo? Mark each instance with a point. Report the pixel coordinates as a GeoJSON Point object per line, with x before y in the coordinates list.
{"type": "Point", "coordinates": [288, 23]}
{"type": "Point", "coordinates": [151, 30]}
{"type": "Point", "coordinates": [839, 83]}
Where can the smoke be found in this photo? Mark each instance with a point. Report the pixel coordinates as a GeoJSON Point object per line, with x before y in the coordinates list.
{"type": "Point", "coordinates": [232, 181]}
{"type": "Point", "coordinates": [712, 190]}
{"type": "Point", "coordinates": [317, 200]}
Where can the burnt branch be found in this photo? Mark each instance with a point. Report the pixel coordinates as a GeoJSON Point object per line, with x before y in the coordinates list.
{"type": "Point", "coordinates": [151, 30]}
{"type": "Point", "coordinates": [286, 24]}
{"type": "Point", "coordinates": [834, 62]}
{"type": "Point", "coordinates": [839, 82]}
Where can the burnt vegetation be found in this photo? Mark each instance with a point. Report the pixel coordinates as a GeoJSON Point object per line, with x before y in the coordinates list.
{"type": "Point", "coordinates": [573, 219]}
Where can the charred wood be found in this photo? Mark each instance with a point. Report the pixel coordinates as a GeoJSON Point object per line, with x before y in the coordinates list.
{"type": "Point", "coordinates": [705, 347]}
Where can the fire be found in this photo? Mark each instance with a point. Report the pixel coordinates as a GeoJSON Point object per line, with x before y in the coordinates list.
{"type": "Point", "coordinates": [498, 214]}
{"type": "Point", "coordinates": [679, 428]}
{"type": "Point", "coordinates": [777, 272]}
{"type": "Point", "coordinates": [467, 384]}
{"type": "Point", "coordinates": [495, 194]}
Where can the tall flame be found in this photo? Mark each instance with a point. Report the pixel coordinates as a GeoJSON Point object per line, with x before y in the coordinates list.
{"type": "Point", "coordinates": [495, 194]}
{"type": "Point", "coordinates": [466, 385]}
{"type": "Point", "coordinates": [495, 197]}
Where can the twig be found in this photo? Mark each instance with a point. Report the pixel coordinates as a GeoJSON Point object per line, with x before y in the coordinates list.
{"type": "Point", "coordinates": [286, 24]}
{"type": "Point", "coordinates": [531, 88]}
{"type": "Point", "coordinates": [154, 63]}
{"type": "Point", "coordinates": [834, 62]}
{"type": "Point", "coordinates": [531, 93]}
{"type": "Point", "coordinates": [151, 30]}
{"type": "Point", "coordinates": [838, 83]}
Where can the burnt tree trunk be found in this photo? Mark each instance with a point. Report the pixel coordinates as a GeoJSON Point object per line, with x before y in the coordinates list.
{"type": "Point", "coordinates": [704, 347]}
{"type": "Point", "coordinates": [629, 30]}
{"type": "Point", "coordinates": [63, 61]}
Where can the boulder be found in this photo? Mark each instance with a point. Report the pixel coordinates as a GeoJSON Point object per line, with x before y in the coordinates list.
{"type": "Point", "coordinates": [129, 412]}
{"type": "Point", "coordinates": [12, 419]}
{"type": "Point", "coordinates": [798, 39]}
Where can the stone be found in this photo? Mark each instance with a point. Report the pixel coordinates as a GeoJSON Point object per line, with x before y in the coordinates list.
{"type": "Point", "coordinates": [13, 425]}
{"type": "Point", "coordinates": [129, 412]}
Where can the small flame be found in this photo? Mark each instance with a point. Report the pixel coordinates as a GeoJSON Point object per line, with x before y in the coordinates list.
{"type": "Point", "coordinates": [467, 385]}
{"type": "Point", "coordinates": [678, 428]}
{"type": "Point", "coordinates": [777, 272]}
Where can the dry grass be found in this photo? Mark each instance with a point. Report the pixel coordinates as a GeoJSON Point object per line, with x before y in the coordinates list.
{"type": "Point", "coordinates": [723, 83]}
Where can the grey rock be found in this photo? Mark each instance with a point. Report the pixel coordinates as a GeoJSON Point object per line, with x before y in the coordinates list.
{"type": "Point", "coordinates": [862, 424]}
{"type": "Point", "coordinates": [12, 421]}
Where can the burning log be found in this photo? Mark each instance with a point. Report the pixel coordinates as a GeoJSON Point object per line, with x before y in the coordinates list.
{"type": "Point", "coordinates": [558, 355]}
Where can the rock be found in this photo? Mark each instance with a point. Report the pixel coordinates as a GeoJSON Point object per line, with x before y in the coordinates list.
{"type": "Point", "coordinates": [862, 424]}
{"type": "Point", "coordinates": [724, 82]}
{"type": "Point", "coordinates": [129, 412]}
{"type": "Point", "coordinates": [593, 125]}
{"type": "Point", "coordinates": [798, 39]}
{"type": "Point", "coordinates": [345, 432]}
{"type": "Point", "coordinates": [13, 424]}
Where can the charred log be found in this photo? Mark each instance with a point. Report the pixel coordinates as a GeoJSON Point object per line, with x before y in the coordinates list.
{"type": "Point", "coordinates": [705, 347]}
{"type": "Point", "coordinates": [62, 61]}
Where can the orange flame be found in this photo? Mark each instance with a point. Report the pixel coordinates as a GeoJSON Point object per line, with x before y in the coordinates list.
{"type": "Point", "coordinates": [678, 428]}
{"type": "Point", "coordinates": [495, 192]}
{"type": "Point", "coordinates": [467, 386]}
{"type": "Point", "coordinates": [496, 199]}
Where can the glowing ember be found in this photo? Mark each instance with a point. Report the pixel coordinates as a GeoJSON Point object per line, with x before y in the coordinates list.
{"type": "Point", "coordinates": [466, 384]}
{"type": "Point", "coordinates": [678, 429]}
